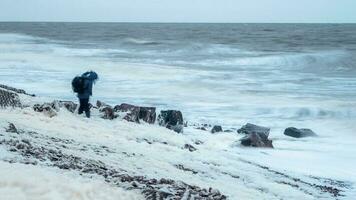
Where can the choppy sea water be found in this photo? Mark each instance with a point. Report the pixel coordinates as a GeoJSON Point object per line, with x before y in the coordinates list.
{"type": "Point", "coordinates": [271, 74]}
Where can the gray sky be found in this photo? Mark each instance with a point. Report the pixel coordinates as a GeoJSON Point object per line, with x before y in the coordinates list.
{"type": "Point", "coordinates": [179, 10]}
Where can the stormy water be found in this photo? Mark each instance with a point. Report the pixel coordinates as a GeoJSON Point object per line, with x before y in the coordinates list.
{"type": "Point", "coordinates": [271, 74]}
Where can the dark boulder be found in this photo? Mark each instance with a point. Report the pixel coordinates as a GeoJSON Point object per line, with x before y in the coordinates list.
{"type": "Point", "coordinates": [171, 119]}
{"type": "Point", "coordinates": [216, 129]}
{"type": "Point", "coordinates": [137, 113]}
{"type": "Point", "coordinates": [256, 136]}
{"type": "Point", "coordinates": [256, 140]}
{"type": "Point", "coordinates": [148, 114]}
{"type": "Point", "coordinates": [299, 133]}
{"type": "Point", "coordinates": [9, 99]}
{"type": "Point", "coordinates": [251, 128]}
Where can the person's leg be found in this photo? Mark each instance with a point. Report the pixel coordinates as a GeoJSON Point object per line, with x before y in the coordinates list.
{"type": "Point", "coordinates": [86, 108]}
{"type": "Point", "coordinates": [81, 106]}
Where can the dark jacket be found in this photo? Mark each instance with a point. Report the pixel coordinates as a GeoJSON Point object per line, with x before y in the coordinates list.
{"type": "Point", "coordinates": [90, 78]}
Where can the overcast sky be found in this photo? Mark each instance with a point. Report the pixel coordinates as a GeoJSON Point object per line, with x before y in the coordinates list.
{"type": "Point", "coordinates": [179, 10]}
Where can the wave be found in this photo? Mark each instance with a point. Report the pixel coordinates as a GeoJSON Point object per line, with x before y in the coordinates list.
{"type": "Point", "coordinates": [141, 41]}
{"type": "Point", "coordinates": [210, 56]}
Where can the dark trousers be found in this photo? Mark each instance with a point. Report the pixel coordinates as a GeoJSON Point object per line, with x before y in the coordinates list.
{"type": "Point", "coordinates": [84, 106]}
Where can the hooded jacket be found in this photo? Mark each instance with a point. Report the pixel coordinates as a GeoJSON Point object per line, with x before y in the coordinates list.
{"type": "Point", "coordinates": [90, 78]}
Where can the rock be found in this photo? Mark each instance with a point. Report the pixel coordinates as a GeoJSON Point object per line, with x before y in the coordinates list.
{"type": "Point", "coordinates": [133, 112]}
{"type": "Point", "coordinates": [216, 129]}
{"type": "Point", "coordinates": [228, 131]}
{"type": "Point", "coordinates": [108, 113]}
{"type": "Point", "coordinates": [251, 128]}
{"type": "Point", "coordinates": [191, 148]}
{"type": "Point", "coordinates": [256, 140]}
{"type": "Point", "coordinates": [299, 133]}
{"type": "Point", "coordinates": [201, 128]}
{"type": "Point", "coordinates": [47, 108]}
{"type": "Point", "coordinates": [137, 113]}
{"type": "Point", "coordinates": [148, 114]}
{"type": "Point", "coordinates": [12, 128]}
{"type": "Point", "coordinates": [100, 104]}
{"type": "Point", "coordinates": [256, 136]}
{"type": "Point", "coordinates": [69, 105]}
{"type": "Point", "coordinates": [171, 119]}
{"type": "Point", "coordinates": [9, 99]}
{"type": "Point", "coordinates": [15, 90]}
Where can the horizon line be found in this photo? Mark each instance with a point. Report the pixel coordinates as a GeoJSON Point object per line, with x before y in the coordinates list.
{"type": "Point", "coordinates": [173, 22]}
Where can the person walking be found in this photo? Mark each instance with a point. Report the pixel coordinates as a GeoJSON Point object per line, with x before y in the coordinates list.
{"type": "Point", "coordinates": [83, 86]}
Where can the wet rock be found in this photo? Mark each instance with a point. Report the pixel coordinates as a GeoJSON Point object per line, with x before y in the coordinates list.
{"type": "Point", "coordinates": [48, 109]}
{"type": "Point", "coordinates": [108, 113]}
{"type": "Point", "coordinates": [11, 129]}
{"type": "Point", "coordinates": [132, 112]}
{"type": "Point", "coordinates": [9, 99]}
{"type": "Point", "coordinates": [191, 148]}
{"type": "Point", "coordinates": [299, 133]}
{"type": "Point", "coordinates": [100, 104]}
{"type": "Point", "coordinates": [256, 140]}
{"type": "Point", "coordinates": [216, 129]}
{"type": "Point", "coordinates": [251, 128]}
{"type": "Point", "coordinates": [137, 113]}
{"type": "Point", "coordinates": [148, 114]}
{"type": "Point", "coordinates": [69, 105]}
{"type": "Point", "coordinates": [171, 119]}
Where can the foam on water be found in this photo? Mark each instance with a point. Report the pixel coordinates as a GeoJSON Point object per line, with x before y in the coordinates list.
{"type": "Point", "coordinates": [209, 82]}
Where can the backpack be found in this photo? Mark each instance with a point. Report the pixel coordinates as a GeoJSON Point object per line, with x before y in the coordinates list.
{"type": "Point", "coordinates": [78, 84]}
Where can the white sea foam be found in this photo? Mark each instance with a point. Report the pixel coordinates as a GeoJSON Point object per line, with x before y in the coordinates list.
{"type": "Point", "coordinates": [27, 182]}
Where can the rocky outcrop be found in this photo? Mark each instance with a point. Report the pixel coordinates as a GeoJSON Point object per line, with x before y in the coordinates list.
{"type": "Point", "coordinates": [216, 129]}
{"type": "Point", "coordinates": [299, 133]}
{"type": "Point", "coordinates": [137, 113]}
{"type": "Point", "coordinates": [15, 90]}
{"type": "Point", "coordinates": [171, 119]}
{"type": "Point", "coordinates": [256, 136]}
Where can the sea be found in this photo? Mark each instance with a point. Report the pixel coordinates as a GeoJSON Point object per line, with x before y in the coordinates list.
{"type": "Point", "coordinates": [276, 75]}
